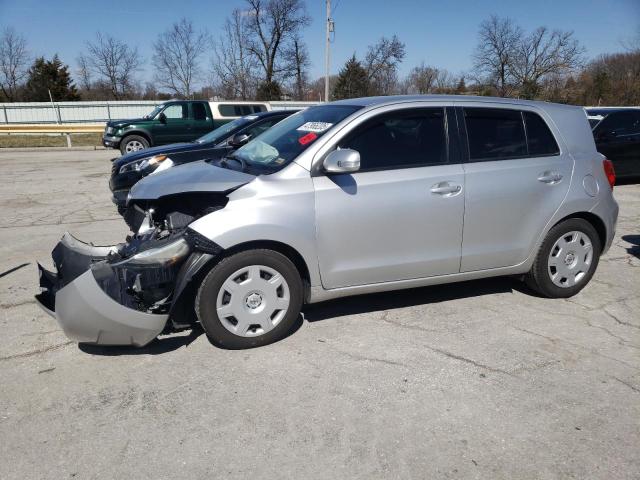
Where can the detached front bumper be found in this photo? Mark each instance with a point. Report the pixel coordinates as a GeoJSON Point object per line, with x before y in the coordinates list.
{"type": "Point", "coordinates": [94, 301]}
{"type": "Point", "coordinates": [88, 315]}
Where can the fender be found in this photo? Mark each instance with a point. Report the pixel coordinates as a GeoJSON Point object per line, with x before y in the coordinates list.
{"type": "Point", "coordinates": [252, 215]}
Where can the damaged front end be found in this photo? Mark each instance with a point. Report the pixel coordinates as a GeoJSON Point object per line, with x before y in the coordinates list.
{"type": "Point", "coordinates": [128, 293]}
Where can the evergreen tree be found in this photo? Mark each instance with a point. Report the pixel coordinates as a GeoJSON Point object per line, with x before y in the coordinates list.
{"type": "Point", "coordinates": [51, 75]}
{"type": "Point", "coordinates": [352, 82]}
{"type": "Point", "coordinates": [269, 91]}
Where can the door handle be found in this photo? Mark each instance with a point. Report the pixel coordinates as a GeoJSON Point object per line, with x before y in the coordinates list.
{"type": "Point", "coordinates": [550, 177]}
{"type": "Point", "coordinates": [446, 189]}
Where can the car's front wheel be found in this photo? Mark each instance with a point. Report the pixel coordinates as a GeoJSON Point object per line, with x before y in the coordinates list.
{"type": "Point", "coordinates": [133, 143]}
{"type": "Point", "coordinates": [249, 299]}
{"type": "Point", "coordinates": [567, 259]}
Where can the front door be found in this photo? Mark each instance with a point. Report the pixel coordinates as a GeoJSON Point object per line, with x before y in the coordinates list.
{"type": "Point", "coordinates": [177, 126]}
{"type": "Point", "coordinates": [515, 182]}
{"type": "Point", "coordinates": [400, 216]}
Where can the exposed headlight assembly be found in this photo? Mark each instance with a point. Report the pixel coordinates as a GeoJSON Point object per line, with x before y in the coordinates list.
{"type": "Point", "coordinates": [139, 165]}
{"type": "Point", "coordinates": [169, 254]}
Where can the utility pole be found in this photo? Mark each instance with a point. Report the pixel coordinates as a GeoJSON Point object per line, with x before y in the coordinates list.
{"type": "Point", "coordinates": [326, 53]}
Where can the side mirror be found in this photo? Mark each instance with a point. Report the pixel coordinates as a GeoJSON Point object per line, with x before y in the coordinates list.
{"type": "Point", "coordinates": [239, 139]}
{"type": "Point", "coordinates": [342, 161]}
{"type": "Point", "coordinates": [162, 117]}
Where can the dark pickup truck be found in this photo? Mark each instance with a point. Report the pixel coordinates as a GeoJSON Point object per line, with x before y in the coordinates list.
{"type": "Point", "coordinates": [175, 121]}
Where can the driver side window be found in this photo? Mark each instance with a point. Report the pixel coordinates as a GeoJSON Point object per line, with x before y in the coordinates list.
{"type": "Point", "coordinates": [401, 139]}
{"type": "Point", "coordinates": [176, 112]}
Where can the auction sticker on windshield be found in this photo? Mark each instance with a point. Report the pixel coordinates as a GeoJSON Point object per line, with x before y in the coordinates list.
{"type": "Point", "coordinates": [316, 127]}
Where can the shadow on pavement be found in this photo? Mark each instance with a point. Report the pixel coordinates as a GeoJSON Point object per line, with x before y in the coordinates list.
{"type": "Point", "coordinates": [337, 308]}
{"type": "Point", "coordinates": [634, 240]}
{"type": "Point", "coordinates": [375, 302]}
{"type": "Point", "coordinates": [158, 346]}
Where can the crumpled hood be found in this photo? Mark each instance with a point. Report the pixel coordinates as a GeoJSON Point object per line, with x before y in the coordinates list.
{"type": "Point", "coordinates": [150, 152]}
{"type": "Point", "coordinates": [198, 176]}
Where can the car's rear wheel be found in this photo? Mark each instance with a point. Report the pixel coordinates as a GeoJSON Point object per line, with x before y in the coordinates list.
{"type": "Point", "coordinates": [133, 143]}
{"type": "Point", "coordinates": [249, 299]}
{"type": "Point", "coordinates": [567, 259]}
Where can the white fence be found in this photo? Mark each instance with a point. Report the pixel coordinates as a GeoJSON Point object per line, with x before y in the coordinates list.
{"type": "Point", "coordinates": [92, 112]}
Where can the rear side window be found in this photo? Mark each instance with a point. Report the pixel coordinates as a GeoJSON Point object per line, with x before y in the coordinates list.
{"type": "Point", "coordinates": [229, 110]}
{"type": "Point", "coordinates": [495, 134]}
{"type": "Point", "coordinates": [402, 139]}
{"type": "Point", "coordinates": [620, 124]}
{"type": "Point", "coordinates": [540, 140]}
{"type": "Point", "coordinates": [199, 112]}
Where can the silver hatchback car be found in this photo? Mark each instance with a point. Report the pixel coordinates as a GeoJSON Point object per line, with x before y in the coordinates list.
{"type": "Point", "coordinates": [351, 197]}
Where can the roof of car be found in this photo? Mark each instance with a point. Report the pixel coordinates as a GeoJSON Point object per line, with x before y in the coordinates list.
{"type": "Point", "coordinates": [388, 100]}
{"type": "Point", "coordinates": [604, 111]}
{"type": "Point", "coordinates": [273, 113]}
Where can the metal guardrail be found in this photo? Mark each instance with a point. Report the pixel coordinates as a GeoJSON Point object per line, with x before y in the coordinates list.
{"type": "Point", "coordinates": [93, 112]}
{"type": "Point", "coordinates": [48, 128]}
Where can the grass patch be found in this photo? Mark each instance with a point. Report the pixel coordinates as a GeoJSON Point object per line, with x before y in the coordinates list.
{"type": "Point", "coordinates": [77, 140]}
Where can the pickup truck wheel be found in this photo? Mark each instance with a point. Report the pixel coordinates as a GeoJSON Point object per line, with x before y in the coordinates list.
{"type": "Point", "coordinates": [133, 143]}
{"type": "Point", "coordinates": [249, 299]}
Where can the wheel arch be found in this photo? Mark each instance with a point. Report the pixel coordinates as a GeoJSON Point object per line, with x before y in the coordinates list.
{"type": "Point", "coordinates": [284, 249]}
{"type": "Point", "coordinates": [139, 133]}
{"type": "Point", "coordinates": [595, 221]}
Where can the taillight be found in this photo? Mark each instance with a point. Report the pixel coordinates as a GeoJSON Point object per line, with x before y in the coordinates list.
{"type": "Point", "coordinates": [609, 171]}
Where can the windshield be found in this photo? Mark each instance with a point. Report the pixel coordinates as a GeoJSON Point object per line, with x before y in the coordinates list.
{"type": "Point", "coordinates": [220, 133]}
{"type": "Point", "coordinates": [282, 143]}
{"type": "Point", "coordinates": [154, 112]}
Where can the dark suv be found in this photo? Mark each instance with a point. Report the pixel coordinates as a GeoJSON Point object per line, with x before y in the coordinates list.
{"type": "Point", "coordinates": [617, 135]}
{"type": "Point", "coordinates": [130, 168]}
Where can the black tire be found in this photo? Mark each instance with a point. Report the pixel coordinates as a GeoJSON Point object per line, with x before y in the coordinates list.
{"type": "Point", "coordinates": [130, 139]}
{"type": "Point", "coordinates": [205, 302]}
{"type": "Point", "coordinates": [539, 277]}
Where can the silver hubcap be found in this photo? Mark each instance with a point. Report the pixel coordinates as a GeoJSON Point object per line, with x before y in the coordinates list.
{"type": "Point", "coordinates": [570, 259]}
{"type": "Point", "coordinates": [253, 301]}
{"type": "Point", "coordinates": [134, 146]}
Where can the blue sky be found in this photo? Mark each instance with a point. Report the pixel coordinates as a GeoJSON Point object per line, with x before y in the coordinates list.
{"type": "Point", "coordinates": [441, 33]}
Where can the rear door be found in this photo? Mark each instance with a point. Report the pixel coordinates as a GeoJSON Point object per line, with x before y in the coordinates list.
{"type": "Point", "coordinates": [202, 123]}
{"type": "Point", "coordinates": [400, 216]}
{"type": "Point", "coordinates": [176, 128]}
{"type": "Point", "coordinates": [516, 177]}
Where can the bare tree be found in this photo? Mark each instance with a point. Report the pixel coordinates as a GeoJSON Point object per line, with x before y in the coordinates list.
{"type": "Point", "coordinates": [298, 58]}
{"type": "Point", "coordinates": [381, 64]}
{"type": "Point", "coordinates": [177, 57]}
{"type": "Point", "coordinates": [113, 61]}
{"type": "Point", "coordinates": [422, 79]}
{"type": "Point", "coordinates": [272, 26]}
{"type": "Point", "coordinates": [233, 64]}
{"type": "Point", "coordinates": [14, 62]}
{"type": "Point", "coordinates": [544, 53]}
{"type": "Point", "coordinates": [498, 42]}
{"type": "Point", "coordinates": [84, 72]}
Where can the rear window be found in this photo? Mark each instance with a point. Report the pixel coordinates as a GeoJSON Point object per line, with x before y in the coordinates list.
{"type": "Point", "coordinates": [495, 134]}
{"type": "Point", "coordinates": [540, 141]}
{"type": "Point", "coordinates": [230, 110]}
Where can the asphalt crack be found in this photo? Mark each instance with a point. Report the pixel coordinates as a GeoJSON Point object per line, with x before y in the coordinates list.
{"type": "Point", "coordinates": [36, 352]}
